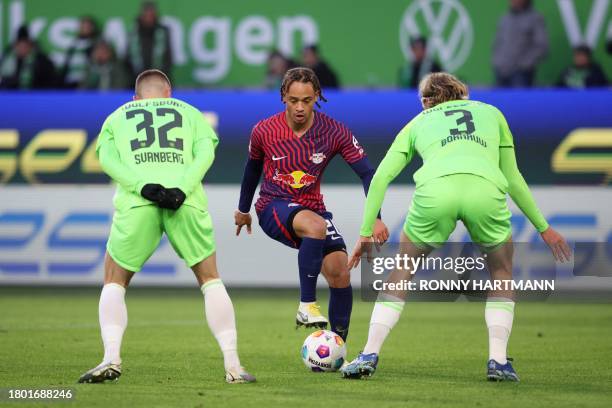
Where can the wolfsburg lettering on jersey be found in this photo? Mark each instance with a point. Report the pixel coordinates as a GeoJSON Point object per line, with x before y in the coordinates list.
{"type": "Point", "coordinates": [463, 136]}
{"type": "Point", "coordinates": [143, 103]}
{"type": "Point", "coordinates": [158, 157]}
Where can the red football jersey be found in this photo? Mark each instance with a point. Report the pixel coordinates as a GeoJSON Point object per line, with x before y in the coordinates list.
{"type": "Point", "coordinates": [293, 166]}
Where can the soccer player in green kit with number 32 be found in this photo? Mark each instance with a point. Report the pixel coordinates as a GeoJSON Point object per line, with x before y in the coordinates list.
{"type": "Point", "coordinates": [157, 149]}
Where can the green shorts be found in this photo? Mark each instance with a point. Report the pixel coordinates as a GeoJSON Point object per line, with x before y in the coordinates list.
{"type": "Point", "coordinates": [440, 202]}
{"type": "Point", "coordinates": [136, 233]}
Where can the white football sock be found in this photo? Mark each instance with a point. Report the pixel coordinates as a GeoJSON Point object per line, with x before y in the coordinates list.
{"type": "Point", "coordinates": [499, 313]}
{"type": "Point", "coordinates": [113, 321]}
{"type": "Point", "coordinates": [385, 315]}
{"type": "Point", "coordinates": [221, 321]}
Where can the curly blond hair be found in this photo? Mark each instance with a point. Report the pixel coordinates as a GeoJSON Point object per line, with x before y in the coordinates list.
{"type": "Point", "coordinates": [439, 87]}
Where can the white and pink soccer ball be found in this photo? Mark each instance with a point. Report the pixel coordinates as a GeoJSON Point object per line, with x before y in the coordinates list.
{"type": "Point", "coordinates": [323, 350]}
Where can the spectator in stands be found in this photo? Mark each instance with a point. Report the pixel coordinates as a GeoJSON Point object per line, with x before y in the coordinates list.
{"type": "Point", "coordinates": [104, 70]}
{"type": "Point", "coordinates": [25, 66]}
{"type": "Point", "coordinates": [77, 56]}
{"type": "Point", "coordinates": [520, 44]}
{"type": "Point", "coordinates": [149, 43]}
{"type": "Point", "coordinates": [584, 73]}
{"type": "Point", "coordinates": [312, 59]}
{"type": "Point", "coordinates": [422, 64]}
{"type": "Point", "coordinates": [278, 64]}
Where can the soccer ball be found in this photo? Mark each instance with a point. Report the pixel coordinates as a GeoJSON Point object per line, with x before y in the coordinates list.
{"type": "Point", "coordinates": [323, 350]}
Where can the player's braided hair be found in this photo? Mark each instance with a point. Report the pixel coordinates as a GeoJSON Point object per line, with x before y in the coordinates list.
{"type": "Point", "coordinates": [439, 87]}
{"type": "Point", "coordinates": [303, 75]}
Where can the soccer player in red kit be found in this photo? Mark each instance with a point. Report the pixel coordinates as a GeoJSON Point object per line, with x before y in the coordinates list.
{"type": "Point", "coordinates": [292, 148]}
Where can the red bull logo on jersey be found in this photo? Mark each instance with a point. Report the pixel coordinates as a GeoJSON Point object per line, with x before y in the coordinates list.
{"type": "Point", "coordinates": [295, 179]}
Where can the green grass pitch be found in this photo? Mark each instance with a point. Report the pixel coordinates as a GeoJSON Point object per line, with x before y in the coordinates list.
{"type": "Point", "coordinates": [436, 355]}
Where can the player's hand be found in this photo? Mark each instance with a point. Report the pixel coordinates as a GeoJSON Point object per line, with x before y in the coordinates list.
{"type": "Point", "coordinates": [364, 244]}
{"type": "Point", "coordinates": [153, 192]}
{"type": "Point", "coordinates": [173, 199]}
{"type": "Point", "coordinates": [559, 247]}
{"type": "Point", "coordinates": [380, 232]}
{"type": "Point", "coordinates": [241, 219]}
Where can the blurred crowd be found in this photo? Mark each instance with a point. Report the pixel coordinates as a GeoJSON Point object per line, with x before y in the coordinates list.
{"type": "Point", "coordinates": [520, 44]}
{"type": "Point", "coordinates": [90, 62]}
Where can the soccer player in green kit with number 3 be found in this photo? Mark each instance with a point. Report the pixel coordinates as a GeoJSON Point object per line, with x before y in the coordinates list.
{"type": "Point", "coordinates": [468, 167]}
{"type": "Point", "coordinates": [157, 149]}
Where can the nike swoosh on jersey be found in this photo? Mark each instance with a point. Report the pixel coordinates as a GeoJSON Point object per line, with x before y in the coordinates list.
{"type": "Point", "coordinates": [277, 158]}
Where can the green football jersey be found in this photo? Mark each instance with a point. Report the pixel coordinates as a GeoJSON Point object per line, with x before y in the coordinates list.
{"type": "Point", "coordinates": [460, 136]}
{"type": "Point", "coordinates": [162, 141]}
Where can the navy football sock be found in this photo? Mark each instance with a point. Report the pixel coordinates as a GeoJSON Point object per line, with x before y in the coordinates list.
{"type": "Point", "coordinates": [340, 307]}
{"type": "Point", "coordinates": [310, 259]}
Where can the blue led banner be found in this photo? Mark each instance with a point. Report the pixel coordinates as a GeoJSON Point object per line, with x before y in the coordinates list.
{"type": "Point", "coordinates": [561, 136]}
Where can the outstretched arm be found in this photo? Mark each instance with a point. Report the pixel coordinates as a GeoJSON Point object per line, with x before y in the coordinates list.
{"type": "Point", "coordinates": [518, 189]}
{"type": "Point", "coordinates": [393, 163]}
{"type": "Point", "coordinates": [354, 155]}
{"type": "Point", "coordinates": [397, 158]}
{"type": "Point", "coordinates": [399, 155]}
{"type": "Point", "coordinates": [520, 194]}
{"type": "Point", "coordinates": [365, 171]}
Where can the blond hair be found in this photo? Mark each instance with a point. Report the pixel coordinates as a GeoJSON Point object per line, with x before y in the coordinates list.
{"type": "Point", "coordinates": [439, 87]}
